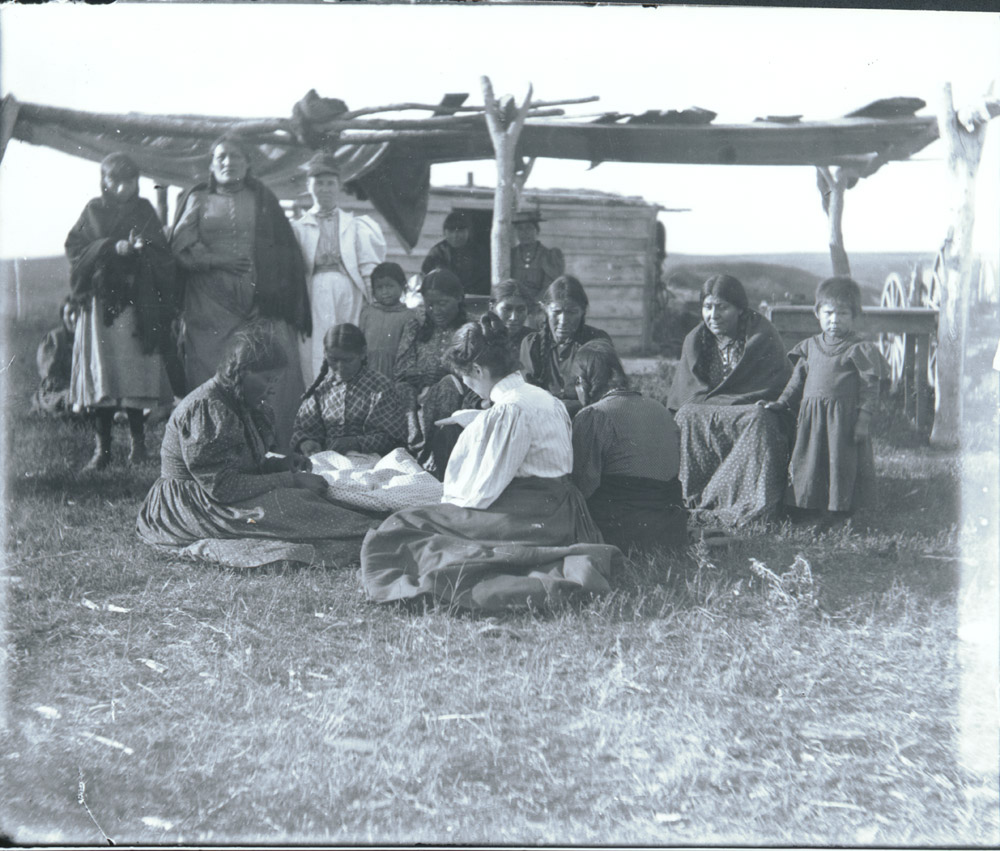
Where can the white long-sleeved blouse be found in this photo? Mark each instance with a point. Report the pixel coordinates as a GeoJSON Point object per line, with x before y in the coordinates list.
{"type": "Point", "coordinates": [526, 432]}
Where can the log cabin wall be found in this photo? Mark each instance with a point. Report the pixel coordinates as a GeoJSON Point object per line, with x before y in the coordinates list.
{"type": "Point", "coordinates": [608, 241]}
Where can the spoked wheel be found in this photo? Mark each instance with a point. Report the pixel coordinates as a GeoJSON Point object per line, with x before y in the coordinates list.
{"type": "Point", "coordinates": [893, 346]}
{"type": "Point", "coordinates": [931, 286]}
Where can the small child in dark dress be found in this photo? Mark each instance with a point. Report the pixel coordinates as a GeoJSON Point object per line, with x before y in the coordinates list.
{"type": "Point", "coordinates": [834, 386]}
{"type": "Point", "coordinates": [382, 322]}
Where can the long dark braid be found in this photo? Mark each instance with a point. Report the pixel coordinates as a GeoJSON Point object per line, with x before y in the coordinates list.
{"type": "Point", "coordinates": [345, 336]}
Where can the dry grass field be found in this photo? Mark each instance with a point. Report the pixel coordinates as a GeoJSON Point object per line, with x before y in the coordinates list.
{"type": "Point", "coordinates": [787, 689]}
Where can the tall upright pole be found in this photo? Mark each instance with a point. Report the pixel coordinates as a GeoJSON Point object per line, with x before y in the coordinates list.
{"type": "Point", "coordinates": [963, 137]}
{"type": "Point", "coordinates": [504, 119]}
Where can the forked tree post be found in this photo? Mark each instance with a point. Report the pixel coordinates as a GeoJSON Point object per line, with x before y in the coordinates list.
{"type": "Point", "coordinates": [504, 119]}
{"type": "Point", "coordinates": [963, 136]}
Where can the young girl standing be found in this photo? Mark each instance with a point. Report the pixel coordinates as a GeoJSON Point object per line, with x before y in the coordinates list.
{"type": "Point", "coordinates": [384, 320]}
{"type": "Point", "coordinates": [834, 386]}
{"type": "Point", "coordinates": [349, 407]}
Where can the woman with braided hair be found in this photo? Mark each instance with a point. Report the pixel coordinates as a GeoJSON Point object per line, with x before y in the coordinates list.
{"type": "Point", "coordinates": [512, 529]}
{"type": "Point", "coordinates": [349, 407]}
{"type": "Point", "coordinates": [220, 496]}
{"type": "Point", "coordinates": [548, 355]}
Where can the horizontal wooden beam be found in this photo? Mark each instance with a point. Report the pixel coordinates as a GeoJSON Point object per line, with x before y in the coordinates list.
{"type": "Point", "coordinates": [801, 319]}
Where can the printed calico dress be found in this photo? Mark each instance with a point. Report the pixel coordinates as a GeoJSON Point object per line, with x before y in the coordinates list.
{"type": "Point", "coordinates": [511, 530]}
{"type": "Point", "coordinates": [734, 454]}
{"type": "Point", "coordinates": [215, 483]}
{"type": "Point", "coordinates": [366, 407]}
{"type": "Point", "coordinates": [834, 380]}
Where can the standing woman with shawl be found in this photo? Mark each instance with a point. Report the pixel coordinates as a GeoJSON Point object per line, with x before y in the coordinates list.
{"type": "Point", "coordinates": [340, 251]}
{"type": "Point", "coordinates": [122, 281]}
{"type": "Point", "coordinates": [241, 262]}
{"type": "Point", "coordinates": [734, 453]}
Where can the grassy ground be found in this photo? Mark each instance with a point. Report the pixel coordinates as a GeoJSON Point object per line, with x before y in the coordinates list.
{"type": "Point", "coordinates": [705, 701]}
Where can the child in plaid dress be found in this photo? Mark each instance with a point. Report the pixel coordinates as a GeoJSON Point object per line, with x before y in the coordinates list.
{"type": "Point", "coordinates": [349, 407]}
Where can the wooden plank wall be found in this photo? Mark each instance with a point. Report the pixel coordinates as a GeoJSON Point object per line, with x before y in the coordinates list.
{"type": "Point", "coordinates": [609, 247]}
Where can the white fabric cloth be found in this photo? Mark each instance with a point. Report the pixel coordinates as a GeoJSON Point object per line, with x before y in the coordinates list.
{"type": "Point", "coordinates": [387, 484]}
{"type": "Point", "coordinates": [334, 297]}
{"type": "Point", "coordinates": [526, 432]}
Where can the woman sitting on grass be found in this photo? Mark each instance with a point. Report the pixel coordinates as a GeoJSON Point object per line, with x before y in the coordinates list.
{"type": "Point", "coordinates": [219, 495]}
{"type": "Point", "coordinates": [512, 302]}
{"type": "Point", "coordinates": [625, 456]}
{"type": "Point", "coordinates": [734, 456]}
{"type": "Point", "coordinates": [548, 355]}
{"type": "Point", "coordinates": [349, 407]}
{"type": "Point", "coordinates": [512, 528]}
{"type": "Point", "coordinates": [834, 386]}
{"type": "Point", "coordinates": [420, 363]}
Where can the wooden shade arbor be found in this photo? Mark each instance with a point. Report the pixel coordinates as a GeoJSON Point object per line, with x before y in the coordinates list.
{"type": "Point", "coordinates": [388, 159]}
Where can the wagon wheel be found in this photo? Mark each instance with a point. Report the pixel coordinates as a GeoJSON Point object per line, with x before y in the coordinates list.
{"type": "Point", "coordinates": [931, 286]}
{"type": "Point", "coordinates": [892, 346]}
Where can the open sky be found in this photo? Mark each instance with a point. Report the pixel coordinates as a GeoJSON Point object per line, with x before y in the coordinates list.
{"type": "Point", "coordinates": [257, 60]}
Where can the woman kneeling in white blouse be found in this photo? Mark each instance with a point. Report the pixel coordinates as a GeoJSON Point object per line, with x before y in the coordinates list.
{"type": "Point", "coordinates": [512, 529]}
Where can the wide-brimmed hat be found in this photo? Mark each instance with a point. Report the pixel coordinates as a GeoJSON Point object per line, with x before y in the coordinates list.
{"type": "Point", "coordinates": [527, 216]}
{"type": "Point", "coordinates": [323, 163]}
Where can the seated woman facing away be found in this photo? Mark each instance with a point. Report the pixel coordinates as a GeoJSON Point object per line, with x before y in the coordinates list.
{"type": "Point", "coordinates": [547, 355]}
{"type": "Point", "coordinates": [512, 529]}
{"type": "Point", "coordinates": [349, 407]}
{"type": "Point", "coordinates": [734, 454]}
{"type": "Point", "coordinates": [219, 496]}
{"type": "Point", "coordinates": [625, 456]}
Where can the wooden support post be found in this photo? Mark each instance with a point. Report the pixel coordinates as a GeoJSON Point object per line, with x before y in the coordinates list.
{"type": "Point", "coordinates": [832, 189]}
{"type": "Point", "coordinates": [909, 385]}
{"type": "Point", "coordinates": [162, 208]}
{"type": "Point", "coordinates": [922, 344]}
{"type": "Point", "coordinates": [963, 137]}
{"type": "Point", "coordinates": [504, 119]}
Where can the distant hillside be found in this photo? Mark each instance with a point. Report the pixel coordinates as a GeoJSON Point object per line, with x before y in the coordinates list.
{"type": "Point", "coordinates": [44, 281]}
{"type": "Point", "coordinates": [786, 277]}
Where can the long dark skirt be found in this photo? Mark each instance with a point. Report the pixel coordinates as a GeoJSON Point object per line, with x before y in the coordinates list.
{"type": "Point", "coordinates": [536, 541]}
{"type": "Point", "coordinates": [635, 512]}
{"type": "Point", "coordinates": [734, 460]}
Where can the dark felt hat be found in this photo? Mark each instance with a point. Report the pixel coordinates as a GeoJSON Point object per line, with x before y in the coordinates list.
{"type": "Point", "coordinates": [522, 216]}
{"type": "Point", "coordinates": [323, 163]}
{"type": "Point", "coordinates": [456, 220]}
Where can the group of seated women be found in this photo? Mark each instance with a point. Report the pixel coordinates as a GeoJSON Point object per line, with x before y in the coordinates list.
{"type": "Point", "coordinates": [532, 503]}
